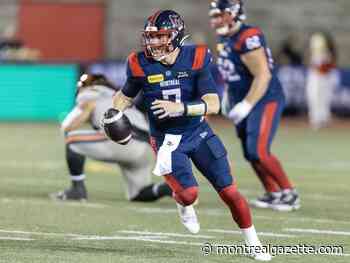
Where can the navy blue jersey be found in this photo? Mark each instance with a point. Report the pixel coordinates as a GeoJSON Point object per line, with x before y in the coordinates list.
{"type": "Point", "coordinates": [234, 71]}
{"type": "Point", "coordinates": [187, 80]}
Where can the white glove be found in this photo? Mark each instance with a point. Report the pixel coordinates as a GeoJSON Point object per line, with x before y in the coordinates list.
{"type": "Point", "coordinates": [240, 111]}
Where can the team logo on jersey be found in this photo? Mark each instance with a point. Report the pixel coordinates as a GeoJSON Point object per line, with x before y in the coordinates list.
{"type": "Point", "coordinates": [167, 83]}
{"type": "Point", "coordinates": [168, 73]}
{"type": "Point", "coordinates": [182, 74]}
{"type": "Point", "coordinates": [155, 78]}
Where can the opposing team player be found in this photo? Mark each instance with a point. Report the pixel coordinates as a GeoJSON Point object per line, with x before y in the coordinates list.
{"type": "Point", "coordinates": [95, 96]}
{"type": "Point", "coordinates": [254, 99]}
{"type": "Point", "coordinates": [179, 91]}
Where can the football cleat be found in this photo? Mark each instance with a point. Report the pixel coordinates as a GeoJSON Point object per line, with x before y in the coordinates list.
{"type": "Point", "coordinates": [262, 256]}
{"type": "Point", "coordinates": [289, 201]}
{"type": "Point", "coordinates": [77, 193]}
{"type": "Point", "coordinates": [256, 250]}
{"type": "Point", "coordinates": [268, 200]}
{"type": "Point", "coordinates": [188, 218]}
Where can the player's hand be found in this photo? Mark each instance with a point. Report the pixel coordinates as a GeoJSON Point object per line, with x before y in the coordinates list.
{"type": "Point", "coordinates": [240, 111]}
{"type": "Point", "coordinates": [165, 108]}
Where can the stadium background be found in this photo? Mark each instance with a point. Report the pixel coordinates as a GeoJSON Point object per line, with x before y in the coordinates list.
{"type": "Point", "coordinates": [32, 160]}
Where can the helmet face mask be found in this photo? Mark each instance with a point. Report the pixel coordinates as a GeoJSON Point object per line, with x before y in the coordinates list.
{"type": "Point", "coordinates": [222, 22]}
{"type": "Point", "coordinates": [163, 33]}
{"type": "Point", "coordinates": [158, 44]}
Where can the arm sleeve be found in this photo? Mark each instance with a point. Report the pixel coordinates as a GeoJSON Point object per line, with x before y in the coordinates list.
{"type": "Point", "coordinates": [135, 77]}
{"type": "Point", "coordinates": [250, 40]}
{"type": "Point", "coordinates": [132, 86]}
{"type": "Point", "coordinates": [205, 80]}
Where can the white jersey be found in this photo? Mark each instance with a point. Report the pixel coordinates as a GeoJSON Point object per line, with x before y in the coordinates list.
{"type": "Point", "coordinates": [103, 96]}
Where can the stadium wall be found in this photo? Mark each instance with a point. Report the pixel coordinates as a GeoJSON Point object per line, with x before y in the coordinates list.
{"type": "Point", "coordinates": [37, 92]}
{"type": "Point", "coordinates": [277, 18]}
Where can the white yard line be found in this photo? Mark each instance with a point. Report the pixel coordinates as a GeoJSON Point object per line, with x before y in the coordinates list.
{"type": "Point", "coordinates": [165, 234]}
{"type": "Point", "coordinates": [317, 231]}
{"type": "Point", "coordinates": [139, 238]}
{"type": "Point", "coordinates": [16, 238]}
{"type": "Point", "coordinates": [236, 232]}
{"type": "Point", "coordinates": [153, 237]}
{"type": "Point", "coordinates": [50, 202]}
{"type": "Point", "coordinates": [39, 233]}
{"type": "Point", "coordinates": [220, 212]}
{"type": "Point", "coordinates": [115, 237]}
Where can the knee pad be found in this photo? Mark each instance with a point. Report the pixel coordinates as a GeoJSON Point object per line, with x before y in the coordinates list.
{"type": "Point", "coordinates": [230, 194]}
{"type": "Point", "coordinates": [186, 196]}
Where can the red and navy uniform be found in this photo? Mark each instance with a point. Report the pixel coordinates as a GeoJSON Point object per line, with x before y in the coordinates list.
{"type": "Point", "coordinates": [185, 81]}
{"type": "Point", "coordinates": [257, 131]}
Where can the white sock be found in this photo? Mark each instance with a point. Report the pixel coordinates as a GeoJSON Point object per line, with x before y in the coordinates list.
{"type": "Point", "coordinates": [250, 236]}
{"type": "Point", "coordinates": [76, 178]}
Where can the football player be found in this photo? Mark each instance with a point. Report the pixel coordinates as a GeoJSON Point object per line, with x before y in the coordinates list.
{"type": "Point", "coordinates": [94, 97]}
{"type": "Point", "coordinates": [322, 78]}
{"type": "Point", "coordinates": [254, 99]}
{"type": "Point", "coordinates": [178, 92]}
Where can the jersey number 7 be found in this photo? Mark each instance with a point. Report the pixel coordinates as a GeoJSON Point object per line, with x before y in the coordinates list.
{"type": "Point", "coordinates": [172, 95]}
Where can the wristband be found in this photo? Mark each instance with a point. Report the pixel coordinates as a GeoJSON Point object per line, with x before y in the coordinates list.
{"type": "Point", "coordinates": [195, 108]}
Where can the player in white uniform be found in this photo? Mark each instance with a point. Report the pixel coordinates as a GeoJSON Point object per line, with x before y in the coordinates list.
{"type": "Point", "coordinates": [323, 77]}
{"type": "Point", "coordinates": [95, 96]}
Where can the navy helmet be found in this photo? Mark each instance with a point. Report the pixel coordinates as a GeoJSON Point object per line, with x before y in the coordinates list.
{"type": "Point", "coordinates": [163, 33]}
{"type": "Point", "coordinates": [235, 7]}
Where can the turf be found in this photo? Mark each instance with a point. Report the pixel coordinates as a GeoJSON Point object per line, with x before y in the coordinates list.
{"type": "Point", "coordinates": [109, 229]}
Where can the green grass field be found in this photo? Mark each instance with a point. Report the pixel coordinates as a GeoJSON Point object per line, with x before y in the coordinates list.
{"type": "Point", "coordinates": [107, 228]}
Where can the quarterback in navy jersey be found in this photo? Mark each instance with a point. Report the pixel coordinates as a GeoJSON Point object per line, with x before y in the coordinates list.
{"type": "Point", "coordinates": [254, 99]}
{"type": "Point", "coordinates": [178, 91]}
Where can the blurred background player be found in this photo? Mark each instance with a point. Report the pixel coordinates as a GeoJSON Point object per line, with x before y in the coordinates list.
{"type": "Point", "coordinates": [179, 91]}
{"type": "Point", "coordinates": [254, 99]}
{"type": "Point", "coordinates": [322, 79]}
{"type": "Point", "coordinates": [94, 97]}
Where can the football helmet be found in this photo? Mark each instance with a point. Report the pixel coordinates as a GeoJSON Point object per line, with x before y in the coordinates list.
{"type": "Point", "coordinates": [88, 80]}
{"type": "Point", "coordinates": [225, 15]}
{"type": "Point", "coordinates": [163, 33]}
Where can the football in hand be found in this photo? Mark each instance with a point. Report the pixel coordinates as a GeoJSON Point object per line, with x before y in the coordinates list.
{"type": "Point", "coordinates": [117, 126]}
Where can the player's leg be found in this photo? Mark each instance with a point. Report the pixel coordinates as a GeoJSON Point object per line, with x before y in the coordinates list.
{"type": "Point", "coordinates": [210, 158]}
{"type": "Point", "coordinates": [133, 160]}
{"type": "Point", "coordinates": [261, 129]}
{"type": "Point", "coordinates": [265, 178]}
{"type": "Point", "coordinates": [174, 165]}
{"type": "Point", "coordinates": [313, 98]}
{"type": "Point", "coordinates": [75, 163]}
{"type": "Point", "coordinates": [137, 175]}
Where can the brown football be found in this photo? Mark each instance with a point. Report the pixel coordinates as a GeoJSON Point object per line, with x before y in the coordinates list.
{"type": "Point", "coordinates": [117, 126]}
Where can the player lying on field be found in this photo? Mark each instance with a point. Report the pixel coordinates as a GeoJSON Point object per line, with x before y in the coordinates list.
{"type": "Point", "coordinates": [178, 92]}
{"type": "Point", "coordinates": [254, 100]}
{"type": "Point", "coordinates": [95, 96]}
